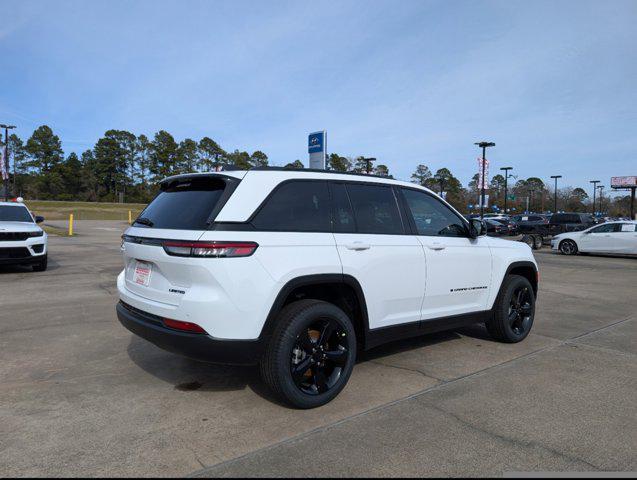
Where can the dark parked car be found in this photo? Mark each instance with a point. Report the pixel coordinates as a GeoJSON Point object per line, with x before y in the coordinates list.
{"type": "Point", "coordinates": [570, 222]}
{"type": "Point", "coordinates": [509, 224]}
{"type": "Point", "coordinates": [531, 223]}
{"type": "Point", "coordinates": [558, 223]}
{"type": "Point", "coordinates": [495, 228]}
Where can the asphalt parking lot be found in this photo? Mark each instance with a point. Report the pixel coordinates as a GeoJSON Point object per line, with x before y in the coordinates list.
{"type": "Point", "coordinates": [80, 396]}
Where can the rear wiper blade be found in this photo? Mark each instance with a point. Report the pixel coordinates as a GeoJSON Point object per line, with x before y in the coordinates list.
{"type": "Point", "coordinates": [145, 221]}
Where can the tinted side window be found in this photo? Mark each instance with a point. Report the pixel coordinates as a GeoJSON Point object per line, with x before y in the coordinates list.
{"type": "Point", "coordinates": [608, 228]}
{"type": "Point", "coordinates": [375, 209]}
{"type": "Point", "coordinates": [297, 206]}
{"type": "Point", "coordinates": [432, 217]}
{"type": "Point", "coordinates": [565, 218]}
{"type": "Point", "coordinates": [343, 220]}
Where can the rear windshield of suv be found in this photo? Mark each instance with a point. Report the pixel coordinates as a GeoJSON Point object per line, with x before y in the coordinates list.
{"type": "Point", "coordinates": [14, 214]}
{"type": "Point", "coordinates": [184, 205]}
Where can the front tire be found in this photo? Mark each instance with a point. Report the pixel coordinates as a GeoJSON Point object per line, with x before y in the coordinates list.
{"type": "Point", "coordinates": [568, 247]}
{"type": "Point", "coordinates": [310, 355]}
{"type": "Point", "coordinates": [514, 310]}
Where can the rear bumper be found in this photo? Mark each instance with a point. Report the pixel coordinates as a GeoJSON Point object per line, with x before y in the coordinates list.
{"type": "Point", "coordinates": [196, 346]}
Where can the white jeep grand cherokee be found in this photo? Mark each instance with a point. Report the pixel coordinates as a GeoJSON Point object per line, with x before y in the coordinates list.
{"type": "Point", "coordinates": [296, 270]}
{"type": "Point", "coordinates": [22, 241]}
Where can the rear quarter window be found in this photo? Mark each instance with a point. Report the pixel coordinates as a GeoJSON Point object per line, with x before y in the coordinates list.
{"type": "Point", "coordinates": [296, 206]}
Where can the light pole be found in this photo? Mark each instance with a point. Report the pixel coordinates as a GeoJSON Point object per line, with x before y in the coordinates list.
{"type": "Point", "coordinates": [483, 146]}
{"type": "Point", "coordinates": [594, 182]}
{"type": "Point", "coordinates": [530, 207]}
{"type": "Point", "coordinates": [555, 194]}
{"type": "Point", "coordinates": [601, 197]}
{"type": "Point", "coordinates": [6, 159]}
{"type": "Point", "coordinates": [506, 178]}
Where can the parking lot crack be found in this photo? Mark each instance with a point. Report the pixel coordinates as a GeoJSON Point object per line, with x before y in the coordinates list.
{"type": "Point", "coordinates": [601, 329]}
{"type": "Point", "coordinates": [611, 351]}
{"type": "Point", "coordinates": [414, 370]}
{"type": "Point", "coordinates": [514, 441]}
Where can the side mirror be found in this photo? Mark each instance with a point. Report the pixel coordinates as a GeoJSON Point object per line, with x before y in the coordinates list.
{"type": "Point", "coordinates": [39, 219]}
{"type": "Point", "coordinates": [476, 228]}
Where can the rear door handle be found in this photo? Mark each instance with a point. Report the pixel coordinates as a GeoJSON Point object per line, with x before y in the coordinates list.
{"type": "Point", "coordinates": [437, 246]}
{"type": "Point", "coordinates": [358, 246]}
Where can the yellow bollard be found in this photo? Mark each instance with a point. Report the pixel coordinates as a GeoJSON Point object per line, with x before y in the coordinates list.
{"type": "Point", "coordinates": [130, 217]}
{"type": "Point", "coordinates": [70, 225]}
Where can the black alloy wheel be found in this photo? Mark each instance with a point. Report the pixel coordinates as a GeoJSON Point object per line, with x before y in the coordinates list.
{"type": "Point", "coordinates": [319, 355]}
{"type": "Point", "coordinates": [520, 310]}
{"type": "Point", "coordinates": [310, 354]}
{"type": "Point", "coordinates": [513, 311]}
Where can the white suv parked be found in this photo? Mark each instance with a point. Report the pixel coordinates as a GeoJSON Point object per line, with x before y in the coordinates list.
{"type": "Point", "coordinates": [296, 270]}
{"type": "Point", "coordinates": [22, 241]}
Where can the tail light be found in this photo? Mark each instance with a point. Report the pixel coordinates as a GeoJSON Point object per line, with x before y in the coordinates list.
{"type": "Point", "coordinates": [209, 249]}
{"type": "Point", "coordinates": [183, 326]}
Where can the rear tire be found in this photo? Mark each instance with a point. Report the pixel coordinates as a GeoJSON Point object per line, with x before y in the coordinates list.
{"type": "Point", "coordinates": [310, 355]}
{"type": "Point", "coordinates": [514, 310]}
{"type": "Point", "coordinates": [41, 267]}
{"type": "Point", "coordinates": [568, 247]}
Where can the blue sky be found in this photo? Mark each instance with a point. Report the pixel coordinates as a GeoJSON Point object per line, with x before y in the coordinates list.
{"type": "Point", "coordinates": [553, 83]}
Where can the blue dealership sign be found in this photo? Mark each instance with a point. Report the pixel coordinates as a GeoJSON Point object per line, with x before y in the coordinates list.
{"type": "Point", "coordinates": [316, 142]}
{"type": "Point", "coordinates": [317, 148]}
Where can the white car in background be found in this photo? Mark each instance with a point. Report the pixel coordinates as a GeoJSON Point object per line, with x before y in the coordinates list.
{"type": "Point", "coordinates": [610, 237]}
{"type": "Point", "coordinates": [22, 241]}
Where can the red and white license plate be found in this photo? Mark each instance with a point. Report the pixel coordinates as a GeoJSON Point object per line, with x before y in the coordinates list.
{"type": "Point", "coordinates": [141, 276]}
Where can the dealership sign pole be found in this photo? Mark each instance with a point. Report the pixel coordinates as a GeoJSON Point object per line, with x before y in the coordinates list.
{"type": "Point", "coordinates": [317, 148]}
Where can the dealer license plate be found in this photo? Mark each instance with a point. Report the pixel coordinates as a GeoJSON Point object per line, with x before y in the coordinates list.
{"type": "Point", "coordinates": [142, 273]}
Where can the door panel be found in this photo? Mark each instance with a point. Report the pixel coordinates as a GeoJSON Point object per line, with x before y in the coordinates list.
{"type": "Point", "coordinates": [600, 239]}
{"type": "Point", "coordinates": [375, 248]}
{"type": "Point", "coordinates": [600, 242]}
{"type": "Point", "coordinates": [391, 270]}
{"type": "Point", "coordinates": [458, 268]}
{"type": "Point", "coordinates": [627, 238]}
{"type": "Point", "coordinates": [458, 274]}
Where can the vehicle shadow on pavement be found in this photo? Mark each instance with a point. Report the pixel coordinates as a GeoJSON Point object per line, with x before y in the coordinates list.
{"type": "Point", "coordinates": [477, 331]}
{"type": "Point", "coordinates": [188, 375]}
{"type": "Point", "coordinates": [7, 269]}
{"type": "Point", "coordinates": [400, 346]}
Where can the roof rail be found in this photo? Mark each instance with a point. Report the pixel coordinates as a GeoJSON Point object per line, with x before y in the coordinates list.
{"type": "Point", "coordinates": [318, 170]}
